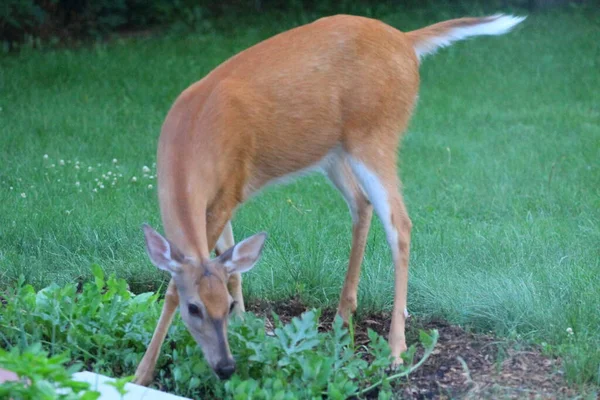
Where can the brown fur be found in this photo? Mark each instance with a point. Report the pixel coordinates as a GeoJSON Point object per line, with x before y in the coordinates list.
{"type": "Point", "coordinates": [244, 125]}
{"type": "Point", "coordinates": [215, 301]}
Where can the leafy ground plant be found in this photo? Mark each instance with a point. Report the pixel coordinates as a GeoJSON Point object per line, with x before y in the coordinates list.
{"type": "Point", "coordinates": [42, 377]}
{"type": "Point", "coordinates": [106, 328]}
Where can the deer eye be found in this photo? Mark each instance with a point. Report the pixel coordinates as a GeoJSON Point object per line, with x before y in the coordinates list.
{"type": "Point", "coordinates": [233, 303]}
{"type": "Point", "coordinates": [194, 310]}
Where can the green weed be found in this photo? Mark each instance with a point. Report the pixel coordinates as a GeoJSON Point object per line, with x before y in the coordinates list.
{"type": "Point", "coordinates": [42, 377]}
{"type": "Point", "coordinates": [107, 328]}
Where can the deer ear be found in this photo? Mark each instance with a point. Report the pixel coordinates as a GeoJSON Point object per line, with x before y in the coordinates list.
{"type": "Point", "coordinates": [244, 255]}
{"type": "Point", "coordinates": [162, 253]}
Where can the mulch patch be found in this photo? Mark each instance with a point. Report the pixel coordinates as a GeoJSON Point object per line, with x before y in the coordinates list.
{"type": "Point", "coordinates": [463, 365]}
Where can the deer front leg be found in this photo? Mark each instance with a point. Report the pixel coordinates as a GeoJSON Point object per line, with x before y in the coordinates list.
{"type": "Point", "coordinates": [145, 370]}
{"type": "Point", "coordinates": [234, 284]}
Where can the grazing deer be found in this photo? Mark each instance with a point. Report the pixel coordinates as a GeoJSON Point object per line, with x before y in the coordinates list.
{"type": "Point", "coordinates": [334, 95]}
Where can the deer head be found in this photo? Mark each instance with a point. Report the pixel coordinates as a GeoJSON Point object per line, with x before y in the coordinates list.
{"type": "Point", "coordinates": [204, 301]}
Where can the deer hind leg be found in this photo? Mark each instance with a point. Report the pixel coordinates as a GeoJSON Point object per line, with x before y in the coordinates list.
{"type": "Point", "coordinates": [234, 284]}
{"type": "Point", "coordinates": [378, 178]}
{"type": "Point", "coordinates": [340, 174]}
{"type": "Point", "coordinates": [145, 370]}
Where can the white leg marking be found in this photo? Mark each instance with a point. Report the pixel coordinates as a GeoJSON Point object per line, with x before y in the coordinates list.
{"type": "Point", "coordinates": [221, 244]}
{"type": "Point", "coordinates": [378, 196]}
{"type": "Point", "coordinates": [335, 174]}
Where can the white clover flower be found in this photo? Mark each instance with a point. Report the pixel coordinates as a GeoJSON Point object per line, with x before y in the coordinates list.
{"type": "Point", "coordinates": [58, 180]}
{"type": "Point", "coordinates": [109, 173]}
{"type": "Point", "coordinates": [77, 183]}
{"type": "Point", "coordinates": [23, 195]}
{"type": "Point", "coordinates": [101, 186]}
{"type": "Point", "coordinates": [76, 166]}
{"type": "Point", "coordinates": [61, 162]}
{"type": "Point", "coordinates": [150, 186]}
{"type": "Point", "coordinates": [151, 177]}
{"type": "Point", "coordinates": [94, 190]}
{"type": "Point", "coordinates": [134, 179]}
{"type": "Point", "coordinates": [98, 165]}
{"type": "Point", "coordinates": [90, 169]}
{"type": "Point", "coordinates": [11, 188]}
{"type": "Point", "coordinates": [570, 331]}
{"type": "Point", "coordinates": [120, 175]}
{"type": "Point", "coordinates": [52, 165]}
{"type": "Point", "coordinates": [145, 169]}
{"type": "Point", "coordinates": [115, 161]}
{"type": "Point", "coordinates": [45, 156]}
{"type": "Point", "coordinates": [96, 179]}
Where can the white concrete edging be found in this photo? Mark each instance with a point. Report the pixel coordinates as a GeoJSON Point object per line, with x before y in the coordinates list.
{"type": "Point", "coordinates": [134, 392]}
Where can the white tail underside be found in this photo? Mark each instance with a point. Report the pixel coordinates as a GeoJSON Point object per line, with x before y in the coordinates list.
{"type": "Point", "coordinates": [498, 25]}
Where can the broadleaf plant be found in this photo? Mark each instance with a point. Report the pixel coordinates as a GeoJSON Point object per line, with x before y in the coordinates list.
{"type": "Point", "coordinates": [106, 328]}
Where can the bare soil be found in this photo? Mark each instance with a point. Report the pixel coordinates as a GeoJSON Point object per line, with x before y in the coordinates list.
{"type": "Point", "coordinates": [464, 365]}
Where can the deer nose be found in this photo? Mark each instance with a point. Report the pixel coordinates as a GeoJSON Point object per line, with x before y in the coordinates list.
{"type": "Point", "coordinates": [225, 369]}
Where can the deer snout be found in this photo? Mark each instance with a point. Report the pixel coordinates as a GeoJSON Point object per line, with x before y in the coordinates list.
{"type": "Point", "coordinates": [225, 368]}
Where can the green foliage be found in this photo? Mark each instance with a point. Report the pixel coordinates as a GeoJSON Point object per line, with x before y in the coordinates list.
{"type": "Point", "coordinates": [19, 14]}
{"type": "Point", "coordinates": [65, 19]}
{"type": "Point", "coordinates": [106, 326]}
{"type": "Point", "coordinates": [42, 377]}
{"type": "Point", "coordinates": [119, 384]}
{"type": "Point", "coordinates": [56, 20]}
{"type": "Point", "coordinates": [104, 323]}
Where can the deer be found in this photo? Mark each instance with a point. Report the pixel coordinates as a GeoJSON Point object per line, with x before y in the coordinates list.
{"type": "Point", "coordinates": [333, 96]}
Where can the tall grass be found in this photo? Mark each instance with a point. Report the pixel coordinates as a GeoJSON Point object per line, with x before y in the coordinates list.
{"type": "Point", "coordinates": [500, 167]}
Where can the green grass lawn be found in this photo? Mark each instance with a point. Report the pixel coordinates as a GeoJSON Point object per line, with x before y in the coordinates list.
{"type": "Point", "coordinates": [501, 172]}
